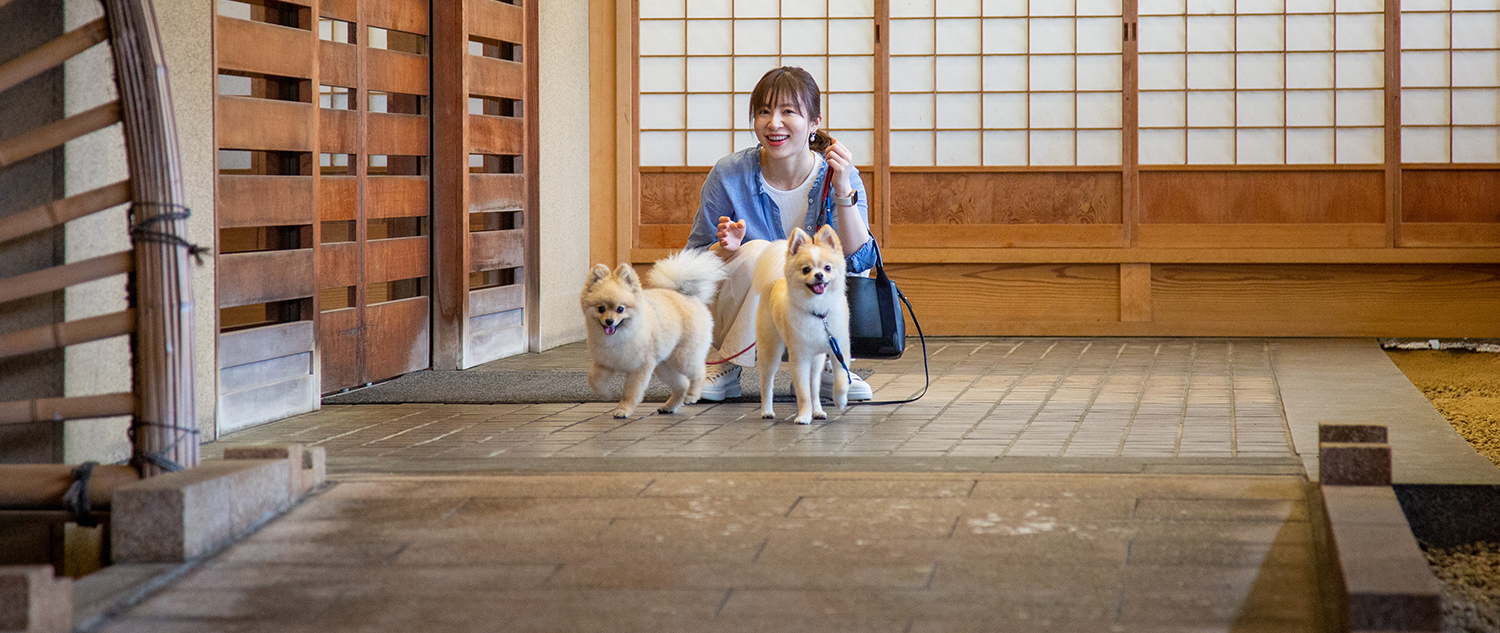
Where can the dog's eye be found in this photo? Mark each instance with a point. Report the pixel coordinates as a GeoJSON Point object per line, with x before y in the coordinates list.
{"type": "Point", "coordinates": [601, 309]}
{"type": "Point", "coordinates": [806, 269]}
{"type": "Point", "coordinates": [827, 269]}
{"type": "Point", "coordinates": [620, 309]}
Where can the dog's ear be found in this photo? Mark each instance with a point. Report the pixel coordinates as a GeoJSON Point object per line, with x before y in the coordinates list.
{"type": "Point", "coordinates": [627, 274]}
{"type": "Point", "coordinates": [599, 272]}
{"type": "Point", "coordinates": [829, 238]}
{"type": "Point", "coordinates": [797, 242]}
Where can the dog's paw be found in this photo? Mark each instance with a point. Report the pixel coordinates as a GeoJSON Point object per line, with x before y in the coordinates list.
{"type": "Point", "coordinates": [621, 414]}
{"type": "Point", "coordinates": [667, 410]}
{"type": "Point", "coordinates": [820, 415]}
{"type": "Point", "coordinates": [767, 415]}
{"type": "Point", "coordinates": [803, 419]}
{"type": "Point", "coordinates": [843, 403]}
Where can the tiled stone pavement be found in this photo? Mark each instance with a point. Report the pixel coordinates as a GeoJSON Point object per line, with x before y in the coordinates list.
{"type": "Point", "coordinates": [783, 552]}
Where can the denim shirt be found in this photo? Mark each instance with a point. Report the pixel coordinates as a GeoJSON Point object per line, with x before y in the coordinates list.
{"type": "Point", "coordinates": [733, 189]}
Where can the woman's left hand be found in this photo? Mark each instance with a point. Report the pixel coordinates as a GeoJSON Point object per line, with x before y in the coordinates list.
{"type": "Point", "coordinates": [841, 161]}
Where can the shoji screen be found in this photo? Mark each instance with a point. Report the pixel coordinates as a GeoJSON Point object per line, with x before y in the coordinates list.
{"type": "Point", "coordinates": [698, 62]}
{"type": "Point", "coordinates": [1450, 122]}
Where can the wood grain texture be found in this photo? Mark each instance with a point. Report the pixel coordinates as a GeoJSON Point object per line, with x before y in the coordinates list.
{"type": "Point", "coordinates": [670, 197]}
{"type": "Point", "coordinates": [391, 71]}
{"type": "Point", "coordinates": [496, 192]}
{"type": "Point", "coordinates": [1450, 195]}
{"type": "Point", "coordinates": [252, 346]}
{"type": "Point", "coordinates": [1005, 235]}
{"type": "Point", "coordinates": [338, 196]}
{"type": "Point", "coordinates": [451, 186]}
{"type": "Point", "coordinates": [1451, 234]}
{"type": "Point", "coordinates": [269, 124]}
{"type": "Point", "coordinates": [1262, 197]}
{"type": "Point", "coordinates": [346, 10]}
{"type": "Point", "coordinates": [1005, 198]}
{"type": "Point", "coordinates": [498, 299]}
{"type": "Point", "coordinates": [258, 405]}
{"type": "Point", "coordinates": [969, 298]}
{"type": "Point", "coordinates": [400, 134]}
{"type": "Point", "coordinates": [338, 265]}
{"type": "Point", "coordinates": [497, 135]}
{"type": "Point", "coordinates": [396, 338]}
{"type": "Point", "coordinates": [338, 64]}
{"type": "Point", "coordinates": [338, 343]}
{"type": "Point", "coordinates": [396, 197]}
{"type": "Point", "coordinates": [246, 201]}
{"type": "Point", "coordinates": [664, 236]}
{"type": "Point", "coordinates": [496, 20]}
{"type": "Point", "coordinates": [490, 250]}
{"type": "Point", "coordinates": [338, 131]}
{"type": "Point", "coordinates": [1135, 292]}
{"type": "Point", "coordinates": [249, 278]}
{"type": "Point", "coordinates": [1326, 236]}
{"type": "Point", "coordinates": [495, 336]}
{"type": "Point", "coordinates": [401, 15]}
{"type": "Point", "coordinates": [496, 77]}
{"type": "Point", "coordinates": [263, 48]}
{"type": "Point", "coordinates": [395, 259]}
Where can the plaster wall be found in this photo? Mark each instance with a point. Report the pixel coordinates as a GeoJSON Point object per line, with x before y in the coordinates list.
{"type": "Point", "coordinates": [563, 93]}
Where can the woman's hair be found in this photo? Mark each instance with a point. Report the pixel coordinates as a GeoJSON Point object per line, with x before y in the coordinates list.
{"type": "Point", "coordinates": [791, 81]}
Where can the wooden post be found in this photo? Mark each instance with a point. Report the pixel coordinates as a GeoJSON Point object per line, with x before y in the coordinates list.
{"type": "Point", "coordinates": [165, 431]}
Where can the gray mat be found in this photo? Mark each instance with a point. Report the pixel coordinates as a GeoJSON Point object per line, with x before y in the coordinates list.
{"type": "Point", "coordinates": [478, 386]}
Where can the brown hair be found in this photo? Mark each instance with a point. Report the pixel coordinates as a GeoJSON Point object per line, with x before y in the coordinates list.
{"type": "Point", "coordinates": [791, 81]}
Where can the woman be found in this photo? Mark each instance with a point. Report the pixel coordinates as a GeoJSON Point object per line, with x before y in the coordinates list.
{"type": "Point", "coordinates": [755, 196]}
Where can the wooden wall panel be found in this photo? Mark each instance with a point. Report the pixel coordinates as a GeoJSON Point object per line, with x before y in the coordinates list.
{"type": "Point", "coordinates": [496, 77]}
{"type": "Point", "coordinates": [1279, 196]}
{"type": "Point", "coordinates": [249, 201]}
{"type": "Point", "coordinates": [496, 20]}
{"type": "Point", "coordinates": [499, 299]}
{"type": "Point", "coordinates": [337, 198]}
{"type": "Point", "coordinates": [338, 265]}
{"type": "Point", "coordinates": [390, 71]}
{"type": "Point", "coordinates": [338, 342]}
{"type": "Point", "coordinates": [1005, 236]}
{"type": "Point", "coordinates": [397, 337]}
{"type": "Point", "coordinates": [265, 372]}
{"type": "Point", "coordinates": [668, 236]}
{"type": "Point", "coordinates": [346, 10]}
{"type": "Point", "coordinates": [338, 64]}
{"type": "Point", "coordinates": [401, 15]}
{"type": "Point", "coordinates": [250, 278]}
{"type": "Point", "coordinates": [1451, 235]}
{"type": "Point", "coordinates": [399, 258]}
{"type": "Point", "coordinates": [338, 131]}
{"type": "Point", "coordinates": [249, 123]}
{"type": "Point", "coordinates": [399, 134]}
{"type": "Point", "coordinates": [1327, 236]}
{"type": "Point", "coordinates": [490, 250]}
{"type": "Point", "coordinates": [977, 197]}
{"type": "Point", "coordinates": [980, 298]}
{"type": "Point", "coordinates": [263, 48]}
{"type": "Point", "coordinates": [1457, 195]}
{"type": "Point", "coordinates": [497, 135]}
{"type": "Point", "coordinates": [251, 346]}
{"type": "Point", "coordinates": [496, 335]}
{"type": "Point", "coordinates": [496, 192]}
{"type": "Point", "coordinates": [396, 196]}
{"type": "Point", "coordinates": [670, 197]}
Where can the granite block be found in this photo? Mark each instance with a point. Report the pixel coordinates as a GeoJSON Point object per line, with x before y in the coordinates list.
{"type": "Point", "coordinates": [1352, 433]}
{"type": "Point", "coordinates": [182, 515]}
{"type": "Point", "coordinates": [31, 600]}
{"type": "Point", "coordinates": [314, 467]}
{"type": "Point", "coordinates": [293, 454]}
{"type": "Point", "coordinates": [1354, 464]}
{"type": "Point", "coordinates": [1389, 584]}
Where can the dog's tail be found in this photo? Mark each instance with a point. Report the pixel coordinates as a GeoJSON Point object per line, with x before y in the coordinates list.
{"type": "Point", "coordinates": [695, 273]}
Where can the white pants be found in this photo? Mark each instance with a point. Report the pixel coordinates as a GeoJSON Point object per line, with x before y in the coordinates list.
{"type": "Point", "coordinates": [735, 306]}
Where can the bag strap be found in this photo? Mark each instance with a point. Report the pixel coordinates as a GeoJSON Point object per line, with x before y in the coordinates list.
{"type": "Point", "coordinates": [926, 371]}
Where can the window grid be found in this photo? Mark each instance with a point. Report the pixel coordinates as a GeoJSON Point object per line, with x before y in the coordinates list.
{"type": "Point", "coordinates": [1341, 137]}
{"type": "Point", "coordinates": [1468, 136]}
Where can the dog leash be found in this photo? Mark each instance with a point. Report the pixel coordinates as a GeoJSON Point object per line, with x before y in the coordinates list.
{"type": "Point", "coordinates": [737, 355]}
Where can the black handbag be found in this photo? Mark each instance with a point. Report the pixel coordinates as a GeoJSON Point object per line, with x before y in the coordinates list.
{"type": "Point", "coordinates": [876, 328]}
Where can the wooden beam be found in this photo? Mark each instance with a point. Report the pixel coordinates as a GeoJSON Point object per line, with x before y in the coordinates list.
{"type": "Point", "coordinates": [57, 213]}
{"type": "Point", "coordinates": [53, 135]}
{"type": "Point", "coordinates": [41, 486]}
{"type": "Point", "coordinates": [57, 409]}
{"type": "Point", "coordinates": [450, 177]}
{"type": "Point", "coordinates": [59, 277]}
{"type": "Point", "coordinates": [52, 53]}
{"type": "Point", "coordinates": [63, 334]}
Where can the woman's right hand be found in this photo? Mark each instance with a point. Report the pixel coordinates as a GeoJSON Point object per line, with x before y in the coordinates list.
{"type": "Point", "coordinates": [731, 234]}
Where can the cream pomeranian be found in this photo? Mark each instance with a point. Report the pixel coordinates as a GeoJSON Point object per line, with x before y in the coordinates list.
{"type": "Point", "coordinates": [802, 305]}
{"type": "Point", "coordinates": [665, 329]}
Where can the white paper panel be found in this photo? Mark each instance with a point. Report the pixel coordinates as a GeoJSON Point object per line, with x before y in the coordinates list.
{"type": "Point", "coordinates": [1098, 35]}
{"type": "Point", "coordinates": [1476, 145]}
{"type": "Point", "coordinates": [1162, 34]}
{"type": "Point", "coordinates": [748, 71]}
{"type": "Point", "coordinates": [804, 37]}
{"type": "Point", "coordinates": [1262, 70]}
{"type": "Point", "coordinates": [1309, 146]}
{"type": "Point", "coordinates": [1210, 109]}
{"type": "Point", "coordinates": [1052, 35]}
{"type": "Point", "coordinates": [851, 74]}
{"type": "Point", "coordinates": [1098, 147]}
{"type": "Point", "coordinates": [1162, 7]}
{"type": "Point", "coordinates": [1258, 33]}
{"type": "Point", "coordinates": [1259, 147]}
{"type": "Point", "coordinates": [1360, 32]}
{"type": "Point", "coordinates": [1210, 147]}
{"type": "Point", "coordinates": [714, 112]}
{"type": "Point", "coordinates": [662, 74]}
{"type": "Point", "coordinates": [1005, 111]}
{"type": "Point", "coordinates": [1424, 107]}
{"type": "Point", "coordinates": [1099, 72]}
{"type": "Point", "coordinates": [1361, 145]}
{"type": "Point", "coordinates": [1309, 70]}
{"type": "Point", "coordinates": [1424, 5]}
{"type": "Point", "coordinates": [1051, 7]}
{"type": "Point", "coordinates": [1360, 6]}
{"type": "Point", "coordinates": [1052, 148]}
{"type": "Point", "coordinates": [1210, 71]}
{"type": "Point", "coordinates": [850, 111]}
{"type": "Point", "coordinates": [1210, 33]}
{"type": "Point", "coordinates": [1360, 70]}
{"type": "Point", "coordinates": [661, 8]}
{"type": "Point", "coordinates": [756, 37]}
{"type": "Point", "coordinates": [911, 74]}
{"type": "Point", "coordinates": [1163, 147]}
{"type": "Point", "coordinates": [1261, 6]}
{"type": "Point", "coordinates": [815, 66]}
{"type": "Point", "coordinates": [662, 37]}
{"type": "Point", "coordinates": [957, 111]}
{"type": "Point", "coordinates": [1163, 109]}
{"type": "Point", "coordinates": [1005, 7]}
{"type": "Point", "coordinates": [1309, 32]}
{"type": "Point", "coordinates": [851, 37]}
{"type": "Point", "coordinates": [1424, 145]}
{"type": "Point", "coordinates": [1479, 31]}
{"type": "Point", "coordinates": [803, 9]}
{"type": "Point", "coordinates": [1099, 109]}
{"type": "Point", "coordinates": [1424, 68]}
{"type": "Point", "coordinates": [1163, 72]}
{"type": "Point", "coordinates": [911, 111]}
{"type": "Point", "coordinates": [912, 8]}
{"type": "Point", "coordinates": [710, 37]}
{"type": "Point", "coordinates": [1051, 72]}
{"type": "Point", "coordinates": [710, 9]}
{"type": "Point", "coordinates": [911, 148]}
{"type": "Point", "coordinates": [1360, 107]}
{"type": "Point", "coordinates": [740, 114]}
{"type": "Point", "coordinates": [1309, 108]}
{"type": "Point", "coordinates": [756, 8]}
{"type": "Point", "coordinates": [743, 140]}
{"type": "Point", "coordinates": [1005, 148]}
{"type": "Point", "coordinates": [1475, 107]}
{"type": "Point", "coordinates": [1051, 110]}
{"type": "Point", "coordinates": [1005, 73]}
{"type": "Point", "coordinates": [706, 148]}
{"type": "Point", "coordinates": [1099, 7]}
{"type": "Point", "coordinates": [661, 148]}
{"type": "Point", "coordinates": [1260, 109]}
{"type": "Point", "coordinates": [1004, 36]}
{"type": "Point", "coordinates": [1424, 30]}
{"type": "Point", "coordinates": [958, 37]}
{"type": "Point", "coordinates": [958, 148]}
{"type": "Point", "coordinates": [958, 8]}
{"type": "Point", "coordinates": [851, 8]}
{"type": "Point", "coordinates": [662, 112]}
{"type": "Point", "coordinates": [861, 145]}
{"type": "Point", "coordinates": [1476, 68]}
{"type": "Point", "coordinates": [958, 73]}
{"type": "Point", "coordinates": [1210, 7]}
{"type": "Point", "coordinates": [911, 37]}
{"type": "Point", "coordinates": [709, 74]}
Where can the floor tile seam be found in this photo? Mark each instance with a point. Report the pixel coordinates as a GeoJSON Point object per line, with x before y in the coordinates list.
{"type": "Point", "coordinates": [1103, 380]}
{"type": "Point", "coordinates": [1286, 421]}
{"type": "Point", "coordinates": [991, 410]}
{"type": "Point", "coordinates": [1187, 387]}
{"type": "Point", "coordinates": [1051, 390]}
{"type": "Point", "coordinates": [363, 428]}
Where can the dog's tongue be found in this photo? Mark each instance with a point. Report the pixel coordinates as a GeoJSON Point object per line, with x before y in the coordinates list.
{"type": "Point", "coordinates": [819, 288]}
{"type": "Point", "coordinates": [609, 329]}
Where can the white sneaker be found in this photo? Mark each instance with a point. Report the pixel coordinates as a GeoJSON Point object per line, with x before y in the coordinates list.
{"type": "Point", "coordinates": [722, 381]}
{"type": "Point", "coordinates": [858, 388]}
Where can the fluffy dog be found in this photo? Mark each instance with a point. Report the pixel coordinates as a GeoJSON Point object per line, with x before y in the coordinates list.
{"type": "Point", "coordinates": [802, 304]}
{"type": "Point", "coordinates": [666, 329]}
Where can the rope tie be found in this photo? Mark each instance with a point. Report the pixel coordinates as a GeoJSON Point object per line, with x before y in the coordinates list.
{"type": "Point", "coordinates": [139, 232]}
{"type": "Point", "coordinates": [77, 496]}
{"type": "Point", "coordinates": [159, 458]}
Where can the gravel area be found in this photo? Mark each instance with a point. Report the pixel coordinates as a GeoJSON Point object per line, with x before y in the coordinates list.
{"type": "Point", "coordinates": [1464, 386]}
{"type": "Point", "coordinates": [1471, 586]}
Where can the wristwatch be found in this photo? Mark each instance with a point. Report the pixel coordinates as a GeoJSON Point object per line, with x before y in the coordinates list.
{"type": "Point", "coordinates": [850, 201]}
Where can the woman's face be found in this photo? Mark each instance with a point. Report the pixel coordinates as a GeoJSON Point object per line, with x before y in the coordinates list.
{"type": "Point", "coordinates": [783, 130]}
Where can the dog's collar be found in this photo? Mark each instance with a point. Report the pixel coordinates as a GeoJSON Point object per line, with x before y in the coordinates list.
{"type": "Point", "coordinates": [823, 316]}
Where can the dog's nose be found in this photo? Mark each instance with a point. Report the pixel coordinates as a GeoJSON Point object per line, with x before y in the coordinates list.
{"type": "Point", "coordinates": [609, 321]}
{"type": "Point", "coordinates": [818, 276]}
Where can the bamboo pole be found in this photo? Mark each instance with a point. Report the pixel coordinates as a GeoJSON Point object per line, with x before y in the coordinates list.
{"type": "Point", "coordinates": [53, 135]}
{"type": "Point", "coordinates": [59, 277]}
{"type": "Point", "coordinates": [57, 409]}
{"type": "Point", "coordinates": [60, 335]}
{"type": "Point", "coordinates": [59, 212]}
{"type": "Point", "coordinates": [41, 486]}
{"type": "Point", "coordinates": [165, 431]}
{"type": "Point", "coordinates": [52, 53]}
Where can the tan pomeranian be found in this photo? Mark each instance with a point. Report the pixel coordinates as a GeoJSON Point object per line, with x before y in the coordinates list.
{"type": "Point", "coordinates": [802, 306]}
{"type": "Point", "coordinates": [665, 329]}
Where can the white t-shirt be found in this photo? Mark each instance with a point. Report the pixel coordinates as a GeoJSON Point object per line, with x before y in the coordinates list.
{"type": "Point", "coordinates": [793, 204]}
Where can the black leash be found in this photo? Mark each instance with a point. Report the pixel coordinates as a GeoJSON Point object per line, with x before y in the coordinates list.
{"type": "Point", "coordinates": [926, 372]}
